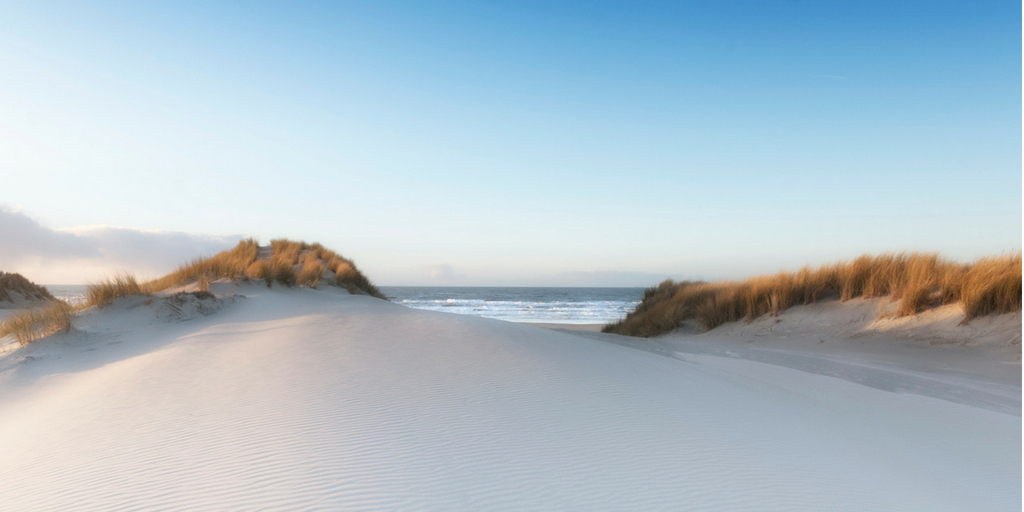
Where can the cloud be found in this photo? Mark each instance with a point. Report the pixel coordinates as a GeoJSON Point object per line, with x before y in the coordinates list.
{"type": "Point", "coordinates": [24, 238]}
{"type": "Point", "coordinates": [610, 278]}
{"type": "Point", "coordinates": [76, 255]}
{"type": "Point", "coordinates": [442, 272]}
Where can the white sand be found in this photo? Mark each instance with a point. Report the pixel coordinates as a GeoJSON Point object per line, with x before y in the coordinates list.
{"type": "Point", "coordinates": [934, 353]}
{"type": "Point", "coordinates": [566, 327]}
{"type": "Point", "coordinates": [317, 400]}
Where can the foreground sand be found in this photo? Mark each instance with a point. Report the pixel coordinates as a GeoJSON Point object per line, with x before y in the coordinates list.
{"type": "Point", "coordinates": [317, 400]}
{"type": "Point", "coordinates": [932, 354]}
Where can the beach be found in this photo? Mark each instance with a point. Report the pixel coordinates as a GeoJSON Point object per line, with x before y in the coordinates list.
{"type": "Point", "coordinates": [304, 399]}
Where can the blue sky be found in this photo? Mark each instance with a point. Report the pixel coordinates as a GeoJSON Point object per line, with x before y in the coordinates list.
{"type": "Point", "coordinates": [531, 143]}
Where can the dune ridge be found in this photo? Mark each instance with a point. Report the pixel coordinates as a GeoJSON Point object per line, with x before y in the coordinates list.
{"type": "Point", "coordinates": [918, 281]}
{"type": "Point", "coordinates": [286, 262]}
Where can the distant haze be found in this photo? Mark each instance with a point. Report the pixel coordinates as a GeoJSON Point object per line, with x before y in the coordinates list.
{"type": "Point", "coordinates": [577, 144]}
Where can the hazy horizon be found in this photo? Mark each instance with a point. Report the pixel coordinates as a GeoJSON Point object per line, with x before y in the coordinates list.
{"type": "Point", "coordinates": [531, 144]}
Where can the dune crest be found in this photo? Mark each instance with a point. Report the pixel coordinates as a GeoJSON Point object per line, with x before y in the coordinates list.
{"type": "Point", "coordinates": [915, 282]}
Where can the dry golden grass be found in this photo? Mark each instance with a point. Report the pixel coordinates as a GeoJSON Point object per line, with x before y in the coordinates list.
{"type": "Point", "coordinates": [231, 264]}
{"type": "Point", "coordinates": [918, 280]}
{"type": "Point", "coordinates": [282, 272]}
{"type": "Point", "coordinates": [32, 324]}
{"type": "Point", "coordinates": [286, 251]}
{"type": "Point", "coordinates": [103, 293]}
{"type": "Point", "coordinates": [312, 271]}
{"type": "Point", "coordinates": [992, 285]}
{"type": "Point", "coordinates": [345, 272]}
{"type": "Point", "coordinates": [12, 285]}
{"type": "Point", "coordinates": [243, 262]}
{"type": "Point", "coordinates": [349, 277]}
{"type": "Point", "coordinates": [261, 269]}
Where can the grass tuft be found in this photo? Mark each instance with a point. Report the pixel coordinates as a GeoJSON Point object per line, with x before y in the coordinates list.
{"type": "Point", "coordinates": [991, 286]}
{"type": "Point", "coordinates": [103, 293]}
{"type": "Point", "coordinates": [282, 272]}
{"type": "Point", "coordinates": [312, 271]}
{"type": "Point", "coordinates": [261, 269]}
{"type": "Point", "coordinates": [286, 251]}
{"type": "Point", "coordinates": [32, 324]}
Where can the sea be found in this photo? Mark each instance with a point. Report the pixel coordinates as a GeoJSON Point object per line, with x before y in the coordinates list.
{"type": "Point", "coordinates": [513, 304]}
{"type": "Point", "coordinates": [73, 293]}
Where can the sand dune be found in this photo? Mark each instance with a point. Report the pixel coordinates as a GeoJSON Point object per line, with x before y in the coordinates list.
{"type": "Point", "coordinates": [933, 354]}
{"type": "Point", "coordinates": [17, 292]}
{"type": "Point", "coordinates": [320, 400]}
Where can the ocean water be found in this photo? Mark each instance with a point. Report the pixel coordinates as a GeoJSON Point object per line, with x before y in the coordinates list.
{"type": "Point", "coordinates": [73, 293]}
{"type": "Point", "coordinates": [549, 305]}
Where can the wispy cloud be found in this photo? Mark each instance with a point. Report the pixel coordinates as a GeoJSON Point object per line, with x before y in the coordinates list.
{"type": "Point", "coordinates": [442, 273]}
{"type": "Point", "coordinates": [610, 278]}
{"type": "Point", "coordinates": [87, 253]}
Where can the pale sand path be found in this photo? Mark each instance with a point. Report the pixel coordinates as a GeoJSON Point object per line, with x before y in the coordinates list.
{"type": "Point", "coordinates": [316, 400]}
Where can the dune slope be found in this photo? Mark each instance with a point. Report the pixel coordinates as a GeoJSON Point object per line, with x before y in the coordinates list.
{"type": "Point", "coordinates": [320, 400]}
{"type": "Point", "coordinates": [18, 292]}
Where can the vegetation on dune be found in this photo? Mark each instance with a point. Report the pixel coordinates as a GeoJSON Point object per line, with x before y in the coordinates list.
{"type": "Point", "coordinates": [312, 272]}
{"type": "Point", "coordinates": [12, 285]}
{"type": "Point", "coordinates": [28, 325]}
{"type": "Point", "coordinates": [991, 286]}
{"type": "Point", "coordinates": [288, 263]}
{"type": "Point", "coordinates": [31, 324]}
{"type": "Point", "coordinates": [103, 293]}
{"type": "Point", "coordinates": [261, 269]}
{"type": "Point", "coordinates": [316, 261]}
{"type": "Point", "coordinates": [918, 280]}
{"type": "Point", "coordinates": [231, 264]}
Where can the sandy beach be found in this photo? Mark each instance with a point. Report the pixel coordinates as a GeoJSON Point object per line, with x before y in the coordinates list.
{"type": "Point", "coordinates": [566, 327]}
{"type": "Point", "coordinates": [301, 399]}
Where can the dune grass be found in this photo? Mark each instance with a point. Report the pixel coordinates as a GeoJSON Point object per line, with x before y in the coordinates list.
{"type": "Point", "coordinates": [288, 263]}
{"type": "Point", "coordinates": [103, 293]}
{"type": "Point", "coordinates": [13, 285]}
{"type": "Point", "coordinates": [283, 273]}
{"type": "Point", "coordinates": [261, 269]}
{"type": "Point", "coordinates": [231, 264]}
{"type": "Point", "coordinates": [918, 280]}
{"type": "Point", "coordinates": [312, 272]}
{"type": "Point", "coordinates": [991, 286]}
{"type": "Point", "coordinates": [346, 275]}
{"type": "Point", "coordinates": [32, 324]}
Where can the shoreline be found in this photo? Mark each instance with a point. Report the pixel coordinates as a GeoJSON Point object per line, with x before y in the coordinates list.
{"type": "Point", "coordinates": [564, 327]}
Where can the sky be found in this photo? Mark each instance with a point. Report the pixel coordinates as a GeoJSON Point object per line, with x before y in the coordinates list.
{"type": "Point", "coordinates": [533, 143]}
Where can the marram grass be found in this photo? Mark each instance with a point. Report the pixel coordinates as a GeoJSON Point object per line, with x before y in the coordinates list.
{"type": "Point", "coordinates": [288, 263]}
{"type": "Point", "coordinates": [32, 324]}
{"type": "Point", "coordinates": [918, 280]}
